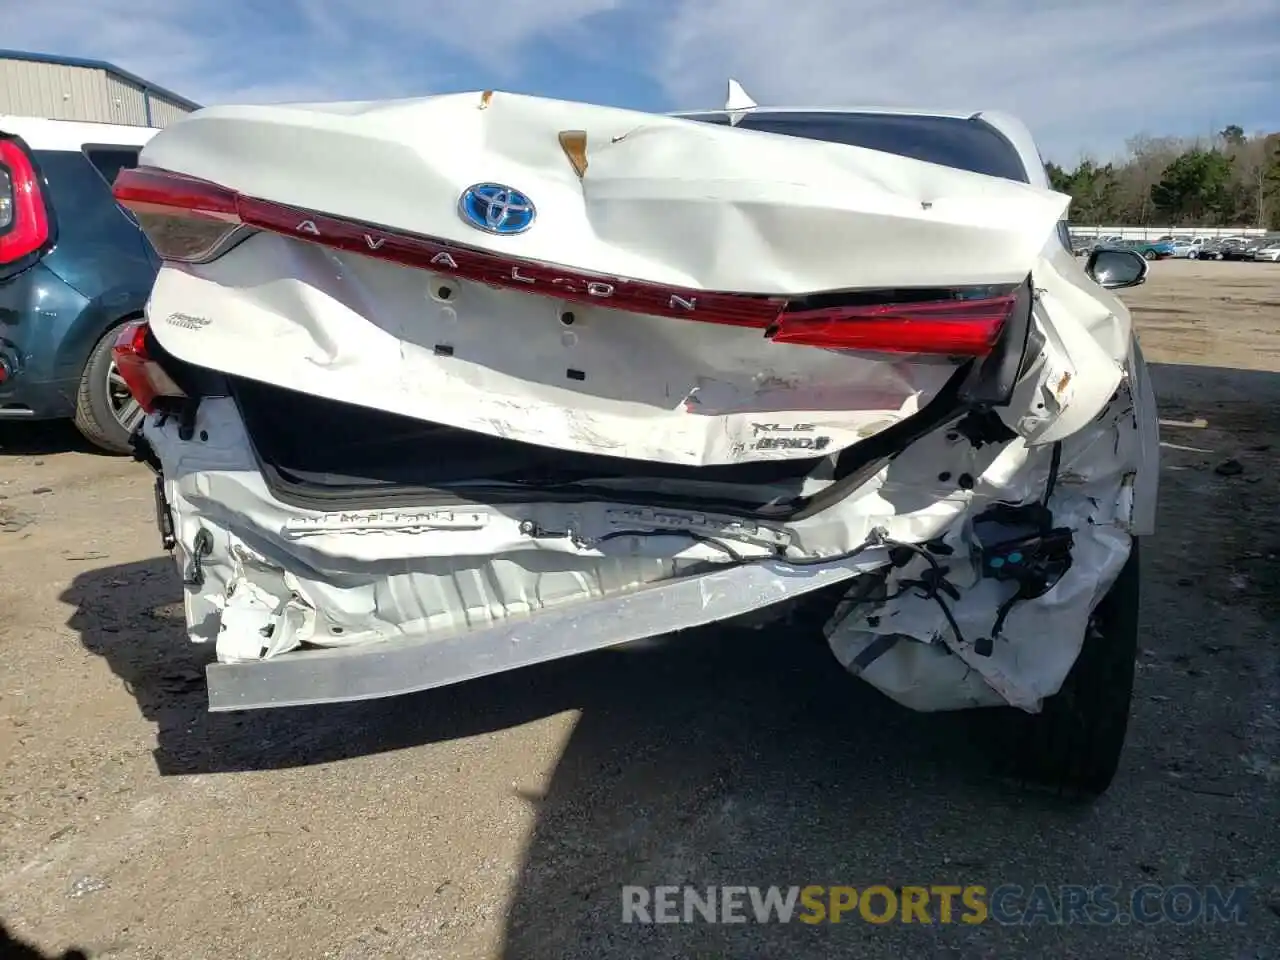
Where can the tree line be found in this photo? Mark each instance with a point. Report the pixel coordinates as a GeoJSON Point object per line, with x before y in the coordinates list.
{"type": "Point", "coordinates": [1231, 179]}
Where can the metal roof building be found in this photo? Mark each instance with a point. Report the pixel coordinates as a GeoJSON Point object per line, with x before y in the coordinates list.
{"type": "Point", "coordinates": [69, 88]}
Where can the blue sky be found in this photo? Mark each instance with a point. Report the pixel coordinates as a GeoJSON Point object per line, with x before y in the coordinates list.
{"type": "Point", "coordinates": [1083, 74]}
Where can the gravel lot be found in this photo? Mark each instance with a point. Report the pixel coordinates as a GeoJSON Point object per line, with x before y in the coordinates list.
{"type": "Point", "coordinates": [500, 818]}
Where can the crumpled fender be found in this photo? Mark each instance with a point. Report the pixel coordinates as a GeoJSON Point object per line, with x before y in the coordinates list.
{"type": "Point", "coordinates": [1087, 338]}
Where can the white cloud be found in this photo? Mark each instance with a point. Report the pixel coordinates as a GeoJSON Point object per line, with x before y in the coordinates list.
{"type": "Point", "coordinates": [223, 50]}
{"type": "Point", "coordinates": [1079, 72]}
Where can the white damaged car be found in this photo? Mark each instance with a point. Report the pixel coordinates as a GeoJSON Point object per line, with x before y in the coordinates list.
{"type": "Point", "coordinates": [450, 386]}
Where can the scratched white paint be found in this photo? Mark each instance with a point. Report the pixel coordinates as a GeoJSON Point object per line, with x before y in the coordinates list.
{"type": "Point", "coordinates": [694, 205]}
{"type": "Point", "coordinates": [699, 205]}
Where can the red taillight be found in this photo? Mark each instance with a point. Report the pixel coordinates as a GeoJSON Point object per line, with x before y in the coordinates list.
{"type": "Point", "coordinates": [966, 328]}
{"type": "Point", "coordinates": [24, 217]}
{"type": "Point", "coordinates": [187, 220]}
{"type": "Point", "coordinates": [193, 221]}
{"type": "Point", "coordinates": [145, 378]}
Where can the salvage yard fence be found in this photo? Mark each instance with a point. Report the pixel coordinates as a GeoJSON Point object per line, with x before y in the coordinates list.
{"type": "Point", "coordinates": [1155, 232]}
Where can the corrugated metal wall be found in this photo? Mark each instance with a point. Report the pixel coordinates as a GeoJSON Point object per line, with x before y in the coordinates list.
{"type": "Point", "coordinates": [165, 112]}
{"type": "Point", "coordinates": [33, 89]}
{"type": "Point", "coordinates": [125, 102]}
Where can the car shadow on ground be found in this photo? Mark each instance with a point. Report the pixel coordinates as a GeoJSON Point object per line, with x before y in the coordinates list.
{"type": "Point", "coordinates": [738, 757]}
{"type": "Point", "coordinates": [43, 438]}
{"type": "Point", "coordinates": [13, 949]}
{"type": "Point", "coordinates": [127, 615]}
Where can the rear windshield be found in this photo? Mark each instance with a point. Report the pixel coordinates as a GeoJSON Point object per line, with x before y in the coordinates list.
{"type": "Point", "coordinates": [110, 160]}
{"type": "Point", "coordinates": [963, 144]}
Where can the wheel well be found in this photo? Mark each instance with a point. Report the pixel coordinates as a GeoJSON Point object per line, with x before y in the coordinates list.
{"type": "Point", "coordinates": [113, 325]}
{"type": "Point", "coordinates": [76, 344]}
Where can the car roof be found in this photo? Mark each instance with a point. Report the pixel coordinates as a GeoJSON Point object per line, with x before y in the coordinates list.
{"type": "Point", "coordinates": [41, 133]}
{"type": "Point", "coordinates": [1008, 125]}
{"type": "Point", "coordinates": [889, 111]}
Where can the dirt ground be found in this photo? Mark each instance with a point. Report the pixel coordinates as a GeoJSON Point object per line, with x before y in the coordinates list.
{"type": "Point", "coordinates": [500, 818]}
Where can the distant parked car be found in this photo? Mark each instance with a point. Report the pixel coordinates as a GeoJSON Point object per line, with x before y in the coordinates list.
{"type": "Point", "coordinates": [1270, 253]}
{"type": "Point", "coordinates": [1090, 244]}
{"type": "Point", "coordinates": [1151, 250]}
{"type": "Point", "coordinates": [1217, 249]}
{"type": "Point", "coordinates": [1242, 250]}
{"type": "Point", "coordinates": [1185, 250]}
{"type": "Point", "coordinates": [73, 267]}
{"type": "Point", "coordinates": [1198, 247]}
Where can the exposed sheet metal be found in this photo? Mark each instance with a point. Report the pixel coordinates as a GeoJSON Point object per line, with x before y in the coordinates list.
{"type": "Point", "coordinates": [275, 577]}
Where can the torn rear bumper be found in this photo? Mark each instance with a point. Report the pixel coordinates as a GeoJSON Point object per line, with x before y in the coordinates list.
{"type": "Point", "coordinates": [309, 607]}
{"type": "Point", "coordinates": [438, 659]}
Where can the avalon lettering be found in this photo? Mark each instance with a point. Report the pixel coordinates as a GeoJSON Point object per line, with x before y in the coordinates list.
{"type": "Point", "coordinates": [574, 285]}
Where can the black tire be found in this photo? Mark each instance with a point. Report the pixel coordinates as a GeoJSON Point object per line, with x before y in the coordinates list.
{"type": "Point", "coordinates": [95, 417]}
{"type": "Point", "coordinates": [1150, 254]}
{"type": "Point", "coordinates": [1073, 745]}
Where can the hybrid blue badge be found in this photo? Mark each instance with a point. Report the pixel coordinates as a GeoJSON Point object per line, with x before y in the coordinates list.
{"type": "Point", "coordinates": [496, 208]}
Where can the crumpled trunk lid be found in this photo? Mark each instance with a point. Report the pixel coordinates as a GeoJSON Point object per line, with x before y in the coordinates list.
{"type": "Point", "coordinates": [533, 350]}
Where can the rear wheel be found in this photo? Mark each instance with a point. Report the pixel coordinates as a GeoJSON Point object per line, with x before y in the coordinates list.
{"type": "Point", "coordinates": [106, 413]}
{"type": "Point", "coordinates": [1073, 745]}
{"type": "Point", "coordinates": [1150, 254]}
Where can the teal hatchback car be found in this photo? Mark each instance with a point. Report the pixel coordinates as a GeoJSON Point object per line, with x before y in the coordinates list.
{"type": "Point", "coordinates": [73, 267]}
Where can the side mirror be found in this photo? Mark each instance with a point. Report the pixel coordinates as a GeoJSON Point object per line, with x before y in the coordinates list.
{"type": "Point", "coordinates": [1116, 269]}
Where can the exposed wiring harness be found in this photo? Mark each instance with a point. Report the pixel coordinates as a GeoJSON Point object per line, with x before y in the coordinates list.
{"type": "Point", "coordinates": [1047, 550]}
{"type": "Point", "coordinates": [1050, 549]}
{"type": "Point", "coordinates": [931, 585]}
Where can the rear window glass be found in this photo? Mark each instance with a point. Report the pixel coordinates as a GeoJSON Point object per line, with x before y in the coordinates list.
{"type": "Point", "coordinates": [972, 145]}
{"type": "Point", "coordinates": [111, 160]}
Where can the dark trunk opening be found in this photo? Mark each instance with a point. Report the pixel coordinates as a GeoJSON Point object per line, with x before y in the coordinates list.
{"type": "Point", "coordinates": [313, 448]}
{"type": "Point", "coordinates": [322, 454]}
